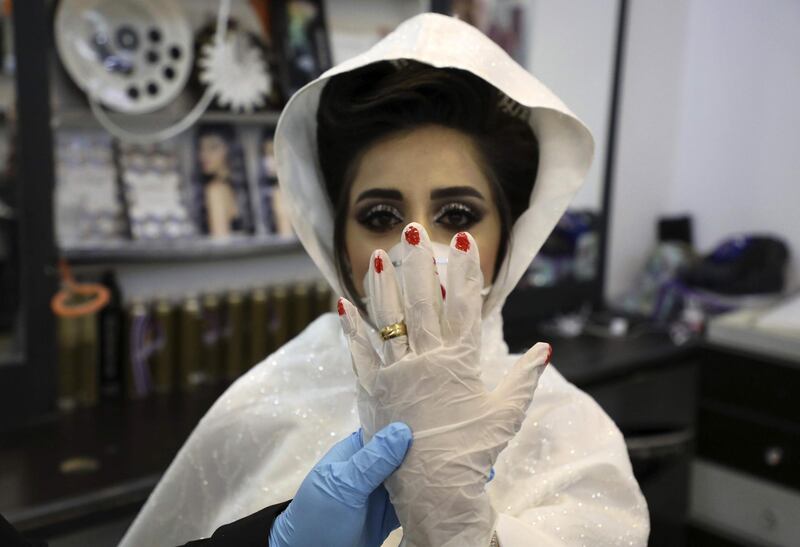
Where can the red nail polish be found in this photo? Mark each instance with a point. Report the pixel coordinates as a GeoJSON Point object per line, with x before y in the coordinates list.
{"type": "Point", "coordinates": [444, 292]}
{"type": "Point", "coordinates": [340, 306]}
{"type": "Point", "coordinates": [549, 355]}
{"type": "Point", "coordinates": [378, 264]}
{"type": "Point", "coordinates": [462, 242]}
{"type": "Point", "coordinates": [412, 235]}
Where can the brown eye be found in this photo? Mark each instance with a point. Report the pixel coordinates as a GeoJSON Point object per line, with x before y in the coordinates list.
{"type": "Point", "coordinates": [458, 216]}
{"type": "Point", "coordinates": [379, 218]}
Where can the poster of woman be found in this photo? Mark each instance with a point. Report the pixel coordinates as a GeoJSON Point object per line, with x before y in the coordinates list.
{"type": "Point", "coordinates": [221, 193]}
{"type": "Point", "coordinates": [276, 219]}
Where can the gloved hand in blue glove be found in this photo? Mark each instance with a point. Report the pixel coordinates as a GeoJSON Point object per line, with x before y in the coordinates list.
{"type": "Point", "coordinates": [342, 501]}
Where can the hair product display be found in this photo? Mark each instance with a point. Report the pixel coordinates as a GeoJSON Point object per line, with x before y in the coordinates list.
{"type": "Point", "coordinates": [211, 339]}
{"type": "Point", "coordinates": [191, 372]}
{"type": "Point", "coordinates": [140, 348]}
{"type": "Point", "coordinates": [280, 321]}
{"type": "Point", "coordinates": [324, 298]}
{"type": "Point", "coordinates": [111, 320]}
{"type": "Point", "coordinates": [153, 187]}
{"type": "Point", "coordinates": [78, 356]}
{"type": "Point", "coordinates": [165, 353]}
{"type": "Point", "coordinates": [87, 203]}
{"type": "Point", "coordinates": [76, 307]}
{"type": "Point", "coordinates": [303, 304]}
{"type": "Point", "coordinates": [259, 321]}
{"type": "Point", "coordinates": [159, 346]}
{"type": "Point", "coordinates": [233, 336]}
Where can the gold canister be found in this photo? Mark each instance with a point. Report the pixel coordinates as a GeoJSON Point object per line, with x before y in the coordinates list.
{"type": "Point", "coordinates": [212, 350]}
{"type": "Point", "coordinates": [88, 387]}
{"type": "Point", "coordinates": [260, 339]}
{"type": "Point", "coordinates": [67, 340]}
{"type": "Point", "coordinates": [191, 367]}
{"type": "Point", "coordinates": [164, 355]}
{"type": "Point", "coordinates": [78, 360]}
{"type": "Point", "coordinates": [137, 371]}
{"type": "Point", "coordinates": [280, 321]}
{"type": "Point", "coordinates": [303, 305]}
{"type": "Point", "coordinates": [324, 296]}
{"type": "Point", "coordinates": [233, 336]}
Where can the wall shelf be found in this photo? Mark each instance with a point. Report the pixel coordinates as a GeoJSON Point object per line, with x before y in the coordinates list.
{"type": "Point", "coordinates": [182, 250]}
{"type": "Point", "coordinates": [82, 118]}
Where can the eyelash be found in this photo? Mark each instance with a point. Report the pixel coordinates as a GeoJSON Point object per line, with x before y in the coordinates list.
{"type": "Point", "coordinates": [370, 217]}
{"type": "Point", "coordinates": [473, 216]}
{"type": "Point", "coordinates": [383, 217]}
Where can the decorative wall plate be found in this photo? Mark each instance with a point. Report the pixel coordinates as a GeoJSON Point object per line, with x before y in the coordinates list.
{"type": "Point", "coordinates": [133, 56]}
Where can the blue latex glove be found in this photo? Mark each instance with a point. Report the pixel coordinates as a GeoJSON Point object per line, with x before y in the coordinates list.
{"type": "Point", "coordinates": [342, 501]}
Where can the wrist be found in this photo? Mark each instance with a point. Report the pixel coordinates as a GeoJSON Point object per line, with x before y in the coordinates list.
{"type": "Point", "coordinates": [274, 537]}
{"type": "Point", "coordinates": [462, 520]}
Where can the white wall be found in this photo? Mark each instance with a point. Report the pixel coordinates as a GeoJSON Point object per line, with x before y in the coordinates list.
{"type": "Point", "coordinates": [356, 25]}
{"type": "Point", "coordinates": [738, 167]}
{"type": "Point", "coordinates": [710, 126]}
{"type": "Point", "coordinates": [571, 46]}
{"type": "Point", "coordinates": [647, 140]}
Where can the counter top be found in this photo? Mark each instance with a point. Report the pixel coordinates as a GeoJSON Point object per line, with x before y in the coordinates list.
{"type": "Point", "coordinates": [78, 463]}
{"type": "Point", "coordinates": [588, 361]}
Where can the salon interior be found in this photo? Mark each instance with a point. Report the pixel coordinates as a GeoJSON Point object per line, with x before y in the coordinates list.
{"type": "Point", "coordinates": [148, 259]}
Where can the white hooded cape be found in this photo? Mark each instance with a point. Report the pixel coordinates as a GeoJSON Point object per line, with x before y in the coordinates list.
{"type": "Point", "coordinates": [564, 480]}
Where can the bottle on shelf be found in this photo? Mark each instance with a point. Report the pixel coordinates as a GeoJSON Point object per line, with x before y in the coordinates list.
{"type": "Point", "coordinates": [164, 358]}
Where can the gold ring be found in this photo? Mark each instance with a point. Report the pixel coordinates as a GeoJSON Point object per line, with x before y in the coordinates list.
{"type": "Point", "coordinates": [394, 330]}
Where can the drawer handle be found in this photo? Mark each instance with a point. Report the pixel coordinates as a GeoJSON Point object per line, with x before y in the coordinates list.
{"type": "Point", "coordinates": [773, 456]}
{"type": "Point", "coordinates": [769, 520]}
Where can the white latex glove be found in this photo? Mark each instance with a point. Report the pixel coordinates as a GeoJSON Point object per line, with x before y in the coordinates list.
{"type": "Point", "coordinates": [431, 381]}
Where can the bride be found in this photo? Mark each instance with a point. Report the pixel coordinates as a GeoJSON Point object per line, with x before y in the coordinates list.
{"type": "Point", "coordinates": [432, 147]}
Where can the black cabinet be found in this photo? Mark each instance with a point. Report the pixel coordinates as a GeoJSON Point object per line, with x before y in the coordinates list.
{"type": "Point", "coordinates": [746, 474]}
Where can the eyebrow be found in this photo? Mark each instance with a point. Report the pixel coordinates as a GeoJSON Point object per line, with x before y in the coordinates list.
{"type": "Point", "coordinates": [455, 191]}
{"type": "Point", "coordinates": [383, 193]}
{"type": "Point", "coordinates": [438, 193]}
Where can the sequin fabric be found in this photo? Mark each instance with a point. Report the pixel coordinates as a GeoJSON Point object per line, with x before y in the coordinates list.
{"type": "Point", "coordinates": [565, 479]}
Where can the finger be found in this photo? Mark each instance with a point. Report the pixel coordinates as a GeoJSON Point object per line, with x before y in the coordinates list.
{"type": "Point", "coordinates": [517, 389]}
{"type": "Point", "coordinates": [344, 449]}
{"type": "Point", "coordinates": [366, 361]}
{"type": "Point", "coordinates": [422, 291]}
{"type": "Point", "coordinates": [385, 303]}
{"type": "Point", "coordinates": [462, 307]}
{"type": "Point", "coordinates": [370, 466]}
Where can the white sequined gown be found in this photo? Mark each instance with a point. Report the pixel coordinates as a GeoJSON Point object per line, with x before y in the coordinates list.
{"type": "Point", "coordinates": [565, 480]}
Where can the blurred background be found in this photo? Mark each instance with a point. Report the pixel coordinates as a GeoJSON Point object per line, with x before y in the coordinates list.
{"type": "Point", "coordinates": [146, 260]}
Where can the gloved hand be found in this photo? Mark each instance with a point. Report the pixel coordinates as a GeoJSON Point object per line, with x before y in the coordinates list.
{"type": "Point", "coordinates": [431, 381]}
{"type": "Point", "coordinates": [342, 501]}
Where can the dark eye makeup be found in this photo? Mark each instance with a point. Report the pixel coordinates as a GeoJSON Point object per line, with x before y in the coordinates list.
{"type": "Point", "coordinates": [458, 215]}
{"type": "Point", "coordinates": [457, 208]}
{"type": "Point", "coordinates": [455, 215]}
{"type": "Point", "coordinates": [379, 217]}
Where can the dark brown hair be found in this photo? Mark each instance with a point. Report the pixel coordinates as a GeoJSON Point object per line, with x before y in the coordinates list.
{"type": "Point", "coordinates": [358, 108]}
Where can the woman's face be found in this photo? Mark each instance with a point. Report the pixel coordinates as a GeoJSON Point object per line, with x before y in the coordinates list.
{"type": "Point", "coordinates": [213, 155]}
{"type": "Point", "coordinates": [429, 175]}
